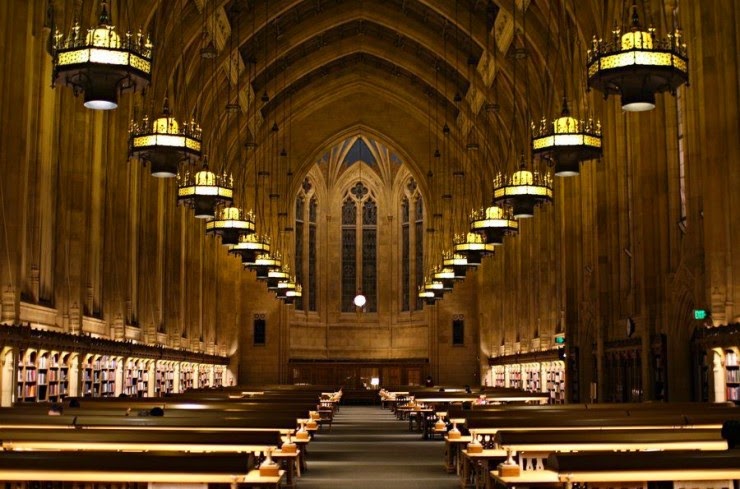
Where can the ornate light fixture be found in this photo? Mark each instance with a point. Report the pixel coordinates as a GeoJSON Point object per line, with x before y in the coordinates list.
{"type": "Point", "coordinates": [283, 286]}
{"type": "Point", "coordinates": [473, 247]}
{"type": "Point", "coordinates": [446, 275]}
{"type": "Point", "coordinates": [250, 246]}
{"type": "Point", "coordinates": [101, 64]}
{"type": "Point", "coordinates": [494, 222]}
{"type": "Point", "coordinates": [431, 291]}
{"type": "Point", "coordinates": [523, 190]}
{"type": "Point", "coordinates": [263, 263]}
{"type": "Point", "coordinates": [458, 263]}
{"type": "Point", "coordinates": [289, 294]}
{"type": "Point", "coordinates": [636, 65]}
{"type": "Point", "coordinates": [230, 223]}
{"type": "Point", "coordinates": [567, 141]}
{"type": "Point", "coordinates": [428, 296]}
{"type": "Point", "coordinates": [277, 275]}
{"type": "Point", "coordinates": [203, 190]}
{"type": "Point", "coordinates": [164, 143]}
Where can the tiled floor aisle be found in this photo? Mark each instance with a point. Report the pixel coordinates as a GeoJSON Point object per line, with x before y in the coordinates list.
{"type": "Point", "coordinates": [368, 447]}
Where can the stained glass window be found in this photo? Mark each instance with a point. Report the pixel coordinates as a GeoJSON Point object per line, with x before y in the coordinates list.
{"type": "Point", "coordinates": [681, 160]}
{"type": "Point", "coordinates": [299, 209]}
{"type": "Point", "coordinates": [369, 252]}
{"type": "Point", "coordinates": [349, 254]}
{"type": "Point", "coordinates": [312, 212]}
{"type": "Point", "coordinates": [405, 259]}
{"type": "Point", "coordinates": [419, 252]}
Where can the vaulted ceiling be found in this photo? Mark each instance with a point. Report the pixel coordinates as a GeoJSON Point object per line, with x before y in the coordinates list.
{"type": "Point", "coordinates": [404, 68]}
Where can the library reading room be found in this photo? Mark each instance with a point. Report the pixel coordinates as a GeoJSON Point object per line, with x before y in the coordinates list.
{"type": "Point", "coordinates": [361, 244]}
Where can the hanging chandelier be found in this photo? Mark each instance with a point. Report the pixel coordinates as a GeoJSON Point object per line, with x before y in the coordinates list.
{"type": "Point", "coordinates": [446, 275]}
{"type": "Point", "coordinates": [473, 247]}
{"type": "Point", "coordinates": [435, 286]}
{"type": "Point", "coordinates": [230, 223]}
{"type": "Point", "coordinates": [494, 222]}
{"type": "Point", "coordinates": [289, 294]}
{"type": "Point", "coordinates": [203, 190]}
{"type": "Point", "coordinates": [567, 141]}
{"type": "Point", "coordinates": [427, 295]}
{"type": "Point", "coordinates": [284, 286]}
{"type": "Point", "coordinates": [458, 262]}
{"type": "Point", "coordinates": [636, 65]}
{"type": "Point", "coordinates": [101, 64]}
{"type": "Point", "coordinates": [277, 275]}
{"type": "Point", "coordinates": [250, 246]}
{"type": "Point", "coordinates": [523, 190]}
{"type": "Point", "coordinates": [164, 143]}
{"type": "Point", "coordinates": [263, 263]}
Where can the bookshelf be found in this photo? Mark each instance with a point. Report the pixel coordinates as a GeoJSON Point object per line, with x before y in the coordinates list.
{"type": "Point", "coordinates": [186, 376]}
{"type": "Point", "coordinates": [515, 376]}
{"type": "Point", "coordinates": [26, 376]}
{"type": "Point", "coordinates": [58, 376]}
{"type": "Point", "coordinates": [732, 375]}
{"type": "Point", "coordinates": [499, 376]}
{"type": "Point", "coordinates": [555, 382]}
{"type": "Point", "coordinates": [532, 381]}
{"type": "Point", "coordinates": [136, 378]}
{"type": "Point", "coordinates": [203, 376]}
{"type": "Point", "coordinates": [108, 369]}
{"type": "Point", "coordinates": [165, 378]}
{"type": "Point", "coordinates": [218, 376]}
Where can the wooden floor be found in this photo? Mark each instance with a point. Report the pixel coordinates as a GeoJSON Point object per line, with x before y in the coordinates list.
{"type": "Point", "coordinates": [368, 448]}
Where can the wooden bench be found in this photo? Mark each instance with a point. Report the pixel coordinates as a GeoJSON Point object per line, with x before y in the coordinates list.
{"type": "Point", "coordinates": [237, 470]}
{"type": "Point", "coordinates": [633, 470]}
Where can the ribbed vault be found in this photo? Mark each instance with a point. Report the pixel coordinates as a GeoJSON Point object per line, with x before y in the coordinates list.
{"type": "Point", "coordinates": [405, 68]}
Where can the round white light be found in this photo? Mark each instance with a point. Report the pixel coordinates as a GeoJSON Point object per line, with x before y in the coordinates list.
{"type": "Point", "coordinates": [638, 106]}
{"type": "Point", "coordinates": [360, 300]}
{"type": "Point", "coordinates": [100, 104]}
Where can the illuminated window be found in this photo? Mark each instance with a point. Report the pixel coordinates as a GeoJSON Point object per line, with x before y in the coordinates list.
{"type": "Point", "coordinates": [306, 211]}
{"type": "Point", "coordinates": [681, 160]}
{"type": "Point", "coordinates": [419, 248]}
{"type": "Point", "coordinates": [299, 210]}
{"type": "Point", "coordinates": [405, 258]}
{"type": "Point", "coordinates": [312, 211]}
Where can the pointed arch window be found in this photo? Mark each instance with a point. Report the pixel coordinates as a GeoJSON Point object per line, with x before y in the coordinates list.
{"type": "Point", "coordinates": [405, 256]}
{"type": "Point", "coordinates": [419, 247]}
{"type": "Point", "coordinates": [299, 210]}
{"type": "Point", "coordinates": [305, 245]}
{"type": "Point", "coordinates": [412, 245]}
{"type": "Point", "coordinates": [312, 213]}
{"type": "Point", "coordinates": [359, 247]}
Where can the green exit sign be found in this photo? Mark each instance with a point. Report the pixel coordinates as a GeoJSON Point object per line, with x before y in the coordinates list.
{"type": "Point", "coordinates": [700, 314]}
{"type": "Point", "coordinates": [559, 340]}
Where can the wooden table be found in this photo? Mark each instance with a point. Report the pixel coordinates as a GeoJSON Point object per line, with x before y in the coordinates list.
{"type": "Point", "coordinates": [525, 478]}
{"type": "Point", "coordinates": [452, 452]}
{"type": "Point", "coordinates": [291, 464]}
{"type": "Point", "coordinates": [475, 467]}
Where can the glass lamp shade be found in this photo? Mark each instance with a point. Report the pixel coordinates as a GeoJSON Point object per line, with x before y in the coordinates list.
{"type": "Point", "coordinates": [636, 65]}
{"type": "Point", "coordinates": [263, 264]}
{"type": "Point", "coordinates": [494, 222]}
{"type": "Point", "coordinates": [523, 191]}
{"type": "Point", "coordinates": [101, 96]}
{"type": "Point", "coordinates": [568, 141]}
{"type": "Point", "coordinates": [203, 191]}
{"type": "Point", "coordinates": [249, 247]}
{"type": "Point", "coordinates": [101, 64]}
{"type": "Point", "coordinates": [230, 223]}
{"type": "Point", "coordinates": [473, 247]}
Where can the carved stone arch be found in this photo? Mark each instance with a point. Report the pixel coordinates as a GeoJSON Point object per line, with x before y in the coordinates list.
{"type": "Point", "coordinates": [389, 142]}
